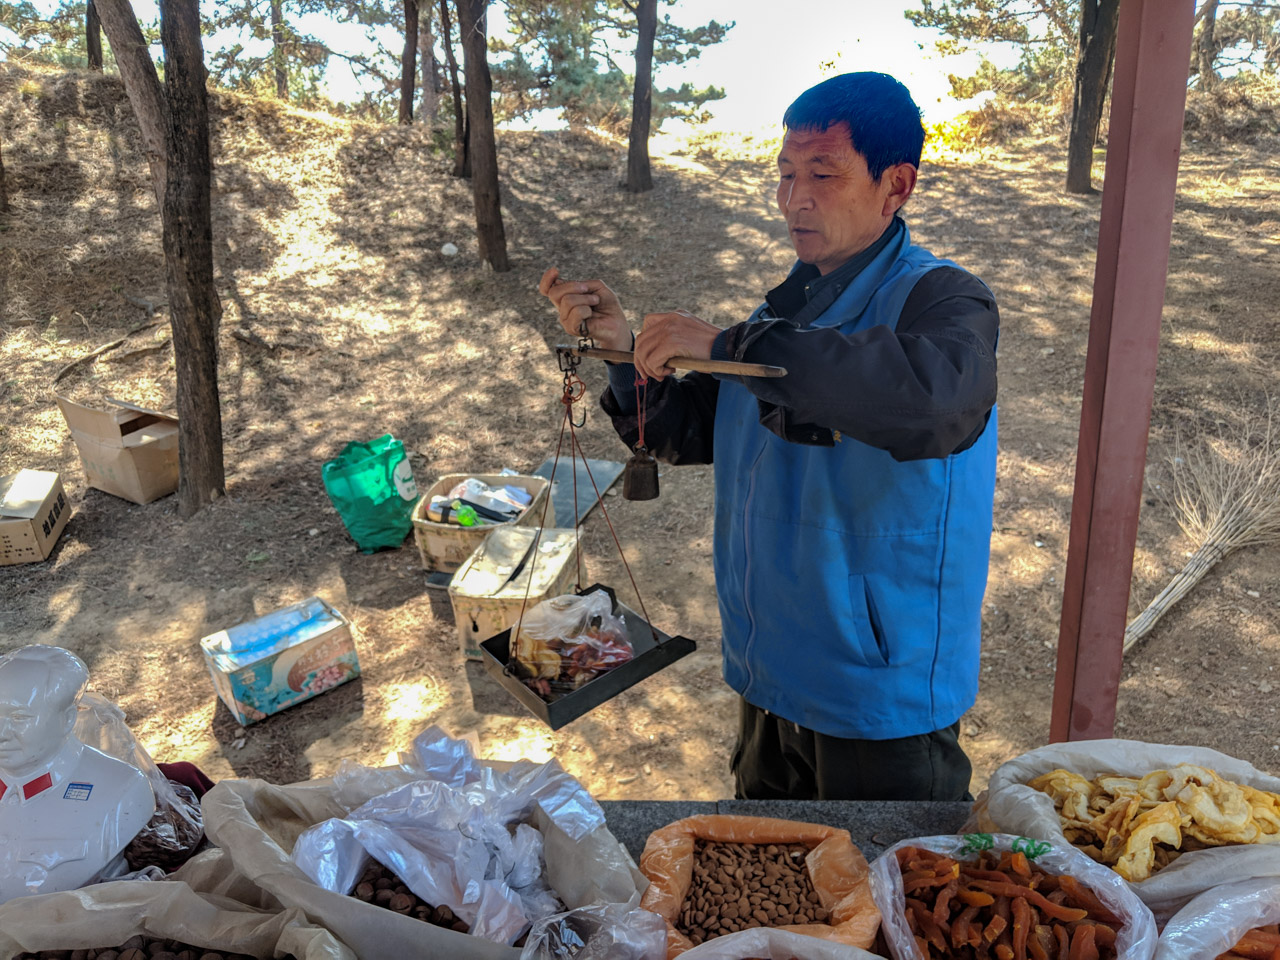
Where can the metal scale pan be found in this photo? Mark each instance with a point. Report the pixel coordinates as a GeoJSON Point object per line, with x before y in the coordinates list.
{"type": "Point", "coordinates": [650, 657]}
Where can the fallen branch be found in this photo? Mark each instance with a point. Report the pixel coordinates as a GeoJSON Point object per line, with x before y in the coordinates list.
{"type": "Point", "coordinates": [105, 348]}
{"type": "Point", "coordinates": [141, 351]}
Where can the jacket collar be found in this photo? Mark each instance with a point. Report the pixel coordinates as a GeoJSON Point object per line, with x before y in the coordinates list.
{"type": "Point", "coordinates": [806, 294]}
{"type": "Point", "coordinates": [58, 771]}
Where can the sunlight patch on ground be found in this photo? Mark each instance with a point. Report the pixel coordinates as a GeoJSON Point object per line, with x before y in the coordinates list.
{"type": "Point", "coordinates": [1206, 342]}
{"type": "Point", "coordinates": [411, 701]}
{"type": "Point", "coordinates": [523, 744]}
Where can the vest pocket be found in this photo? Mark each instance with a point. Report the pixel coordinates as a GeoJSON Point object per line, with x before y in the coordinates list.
{"type": "Point", "coordinates": [871, 648]}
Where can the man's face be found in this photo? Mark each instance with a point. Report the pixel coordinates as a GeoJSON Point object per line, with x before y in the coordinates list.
{"type": "Point", "coordinates": [833, 208]}
{"type": "Point", "coordinates": [31, 729]}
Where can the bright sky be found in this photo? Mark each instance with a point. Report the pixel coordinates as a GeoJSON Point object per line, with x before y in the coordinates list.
{"type": "Point", "coordinates": [775, 51]}
{"type": "Point", "coordinates": [779, 49]}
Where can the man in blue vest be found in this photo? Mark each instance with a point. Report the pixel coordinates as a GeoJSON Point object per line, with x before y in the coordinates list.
{"type": "Point", "coordinates": [853, 497]}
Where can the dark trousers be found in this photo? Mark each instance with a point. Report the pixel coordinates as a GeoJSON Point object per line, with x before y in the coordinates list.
{"type": "Point", "coordinates": [777, 760]}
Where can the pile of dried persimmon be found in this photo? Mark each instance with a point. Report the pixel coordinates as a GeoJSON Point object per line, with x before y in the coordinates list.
{"type": "Point", "coordinates": [1002, 907]}
{"type": "Point", "coordinates": [1136, 826]}
{"type": "Point", "coordinates": [1260, 943]}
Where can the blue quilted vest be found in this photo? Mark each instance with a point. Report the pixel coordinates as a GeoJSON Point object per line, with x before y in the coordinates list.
{"type": "Point", "coordinates": [850, 585]}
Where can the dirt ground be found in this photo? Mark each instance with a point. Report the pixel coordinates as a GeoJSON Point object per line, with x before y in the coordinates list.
{"type": "Point", "coordinates": [343, 320]}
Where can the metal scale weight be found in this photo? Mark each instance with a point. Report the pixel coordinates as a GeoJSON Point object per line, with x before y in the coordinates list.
{"type": "Point", "coordinates": [652, 648]}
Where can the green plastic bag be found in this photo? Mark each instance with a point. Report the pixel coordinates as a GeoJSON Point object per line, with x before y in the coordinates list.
{"type": "Point", "coordinates": [371, 486]}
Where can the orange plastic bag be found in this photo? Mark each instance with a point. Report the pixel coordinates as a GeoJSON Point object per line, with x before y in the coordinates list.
{"type": "Point", "coordinates": [837, 868]}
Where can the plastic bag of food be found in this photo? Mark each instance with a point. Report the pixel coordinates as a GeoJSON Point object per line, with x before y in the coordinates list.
{"type": "Point", "coordinates": [1012, 806]}
{"type": "Point", "coordinates": [257, 825]}
{"type": "Point", "coordinates": [565, 642]}
{"type": "Point", "coordinates": [176, 829]}
{"type": "Point", "coordinates": [1135, 927]}
{"type": "Point", "coordinates": [837, 870]}
{"type": "Point", "coordinates": [600, 932]}
{"type": "Point", "coordinates": [1213, 922]}
{"type": "Point", "coordinates": [108, 914]}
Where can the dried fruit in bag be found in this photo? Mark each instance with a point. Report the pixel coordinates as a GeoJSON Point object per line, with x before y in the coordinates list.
{"type": "Point", "coordinates": [1137, 825]}
{"type": "Point", "coordinates": [566, 642]}
{"type": "Point", "coordinates": [1001, 907]}
{"type": "Point", "coordinates": [1260, 943]}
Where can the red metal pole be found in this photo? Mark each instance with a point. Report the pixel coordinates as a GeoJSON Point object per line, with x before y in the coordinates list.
{"type": "Point", "coordinates": [1148, 98]}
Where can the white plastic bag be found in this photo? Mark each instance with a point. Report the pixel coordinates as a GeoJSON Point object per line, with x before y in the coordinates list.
{"type": "Point", "coordinates": [176, 829]}
{"type": "Point", "coordinates": [603, 932]}
{"type": "Point", "coordinates": [1135, 940]}
{"type": "Point", "coordinates": [462, 840]}
{"type": "Point", "coordinates": [1213, 922]}
{"type": "Point", "coordinates": [434, 840]}
{"type": "Point", "coordinates": [108, 914]}
{"type": "Point", "coordinates": [1012, 807]}
{"type": "Point", "coordinates": [258, 824]}
{"type": "Point", "coordinates": [774, 943]}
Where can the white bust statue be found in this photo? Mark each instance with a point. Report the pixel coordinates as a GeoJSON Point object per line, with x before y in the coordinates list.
{"type": "Point", "coordinates": [66, 809]}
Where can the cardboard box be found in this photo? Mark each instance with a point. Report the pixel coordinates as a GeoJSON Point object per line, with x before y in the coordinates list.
{"type": "Point", "coordinates": [490, 588]}
{"type": "Point", "coordinates": [34, 510]}
{"type": "Point", "coordinates": [128, 451]}
{"type": "Point", "coordinates": [444, 547]}
{"type": "Point", "coordinates": [280, 659]}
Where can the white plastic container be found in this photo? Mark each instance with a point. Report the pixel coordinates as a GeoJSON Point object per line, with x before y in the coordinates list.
{"type": "Point", "coordinates": [445, 546]}
{"type": "Point", "coordinates": [490, 588]}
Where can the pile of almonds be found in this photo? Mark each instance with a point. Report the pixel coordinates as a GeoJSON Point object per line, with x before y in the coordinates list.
{"type": "Point", "coordinates": [383, 888]}
{"type": "Point", "coordinates": [737, 886]}
{"type": "Point", "coordinates": [139, 948]}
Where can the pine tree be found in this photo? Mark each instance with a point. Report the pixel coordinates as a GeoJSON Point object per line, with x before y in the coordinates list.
{"type": "Point", "coordinates": [1043, 31]}
{"type": "Point", "coordinates": [573, 56]}
{"type": "Point", "coordinates": [292, 63]}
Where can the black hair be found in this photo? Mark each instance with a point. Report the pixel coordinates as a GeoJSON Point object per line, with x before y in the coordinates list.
{"type": "Point", "coordinates": [883, 120]}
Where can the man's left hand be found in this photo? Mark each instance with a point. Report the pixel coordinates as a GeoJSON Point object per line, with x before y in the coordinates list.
{"type": "Point", "coordinates": [675, 334]}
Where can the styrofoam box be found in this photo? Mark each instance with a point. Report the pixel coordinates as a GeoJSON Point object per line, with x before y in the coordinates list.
{"type": "Point", "coordinates": [445, 546]}
{"type": "Point", "coordinates": [506, 574]}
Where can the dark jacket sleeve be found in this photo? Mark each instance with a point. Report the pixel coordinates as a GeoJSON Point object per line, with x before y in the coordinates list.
{"type": "Point", "coordinates": [922, 390]}
{"type": "Point", "coordinates": [680, 414]}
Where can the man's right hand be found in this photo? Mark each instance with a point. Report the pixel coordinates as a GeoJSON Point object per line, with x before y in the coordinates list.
{"type": "Point", "coordinates": [589, 302]}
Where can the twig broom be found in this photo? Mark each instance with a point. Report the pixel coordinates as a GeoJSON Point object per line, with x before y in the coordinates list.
{"type": "Point", "coordinates": [1226, 494]}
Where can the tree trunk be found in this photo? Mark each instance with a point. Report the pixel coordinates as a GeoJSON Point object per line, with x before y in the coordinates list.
{"type": "Point", "coordinates": [141, 84]}
{"type": "Point", "coordinates": [194, 310]}
{"type": "Point", "coordinates": [4, 191]}
{"type": "Point", "coordinates": [461, 119]}
{"type": "Point", "coordinates": [1206, 48]}
{"type": "Point", "coordinates": [430, 75]}
{"type": "Point", "coordinates": [1096, 50]}
{"type": "Point", "coordinates": [409, 61]}
{"type": "Point", "coordinates": [93, 36]}
{"type": "Point", "coordinates": [483, 147]}
{"type": "Point", "coordinates": [639, 178]}
{"type": "Point", "coordinates": [277, 49]}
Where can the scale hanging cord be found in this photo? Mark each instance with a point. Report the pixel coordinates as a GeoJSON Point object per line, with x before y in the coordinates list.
{"type": "Point", "coordinates": [574, 391]}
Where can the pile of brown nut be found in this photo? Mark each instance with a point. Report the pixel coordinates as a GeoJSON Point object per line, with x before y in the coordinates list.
{"type": "Point", "coordinates": [171, 836]}
{"type": "Point", "coordinates": [380, 886]}
{"type": "Point", "coordinates": [139, 948]}
{"type": "Point", "coordinates": [737, 886]}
